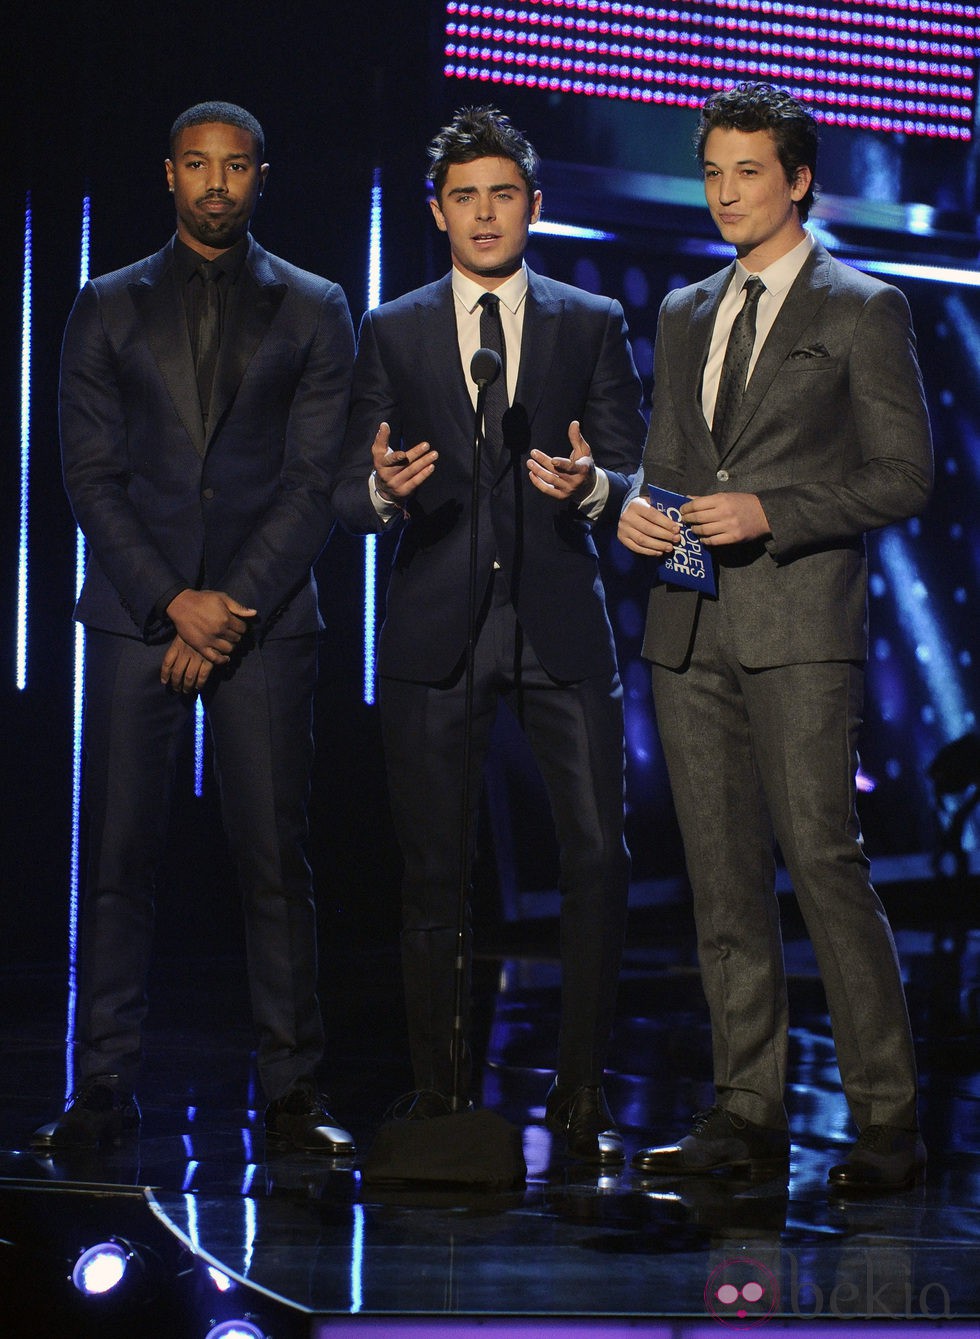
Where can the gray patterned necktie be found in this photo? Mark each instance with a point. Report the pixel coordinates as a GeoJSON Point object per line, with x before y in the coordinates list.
{"type": "Point", "coordinates": [734, 369]}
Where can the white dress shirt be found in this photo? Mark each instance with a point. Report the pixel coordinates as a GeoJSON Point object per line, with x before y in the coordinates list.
{"type": "Point", "coordinates": [778, 279]}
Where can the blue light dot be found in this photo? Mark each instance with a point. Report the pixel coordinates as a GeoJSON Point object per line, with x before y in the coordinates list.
{"type": "Point", "coordinates": [587, 275]}
{"type": "Point", "coordinates": [965, 659]}
{"type": "Point", "coordinates": [959, 595]}
{"type": "Point", "coordinates": [643, 355]}
{"type": "Point", "coordinates": [878, 585]}
{"type": "Point", "coordinates": [636, 286]}
{"type": "Point", "coordinates": [929, 714]}
{"type": "Point", "coordinates": [893, 769]}
{"type": "Point", "coordinates": [923, 654]}
{"type": "Point", "coordinates": [883, 648]}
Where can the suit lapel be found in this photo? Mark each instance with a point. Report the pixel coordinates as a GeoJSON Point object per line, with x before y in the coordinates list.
{"type": "Point", "coordinates": [438, 341]}
{"type": "Point", "coordinates": [542, 323]}
{"type": "Point", "coordinates": [255, 305]}
{"type": "Point", "coordinates": [161, 311]}
{"type": "Point", "coordinates": [698, 344]}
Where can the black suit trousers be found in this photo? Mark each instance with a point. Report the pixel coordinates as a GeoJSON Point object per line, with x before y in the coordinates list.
{"type": "Point", "coordinates": [576, 733]}
{"type": "Point", "coordinates": [259, 711]}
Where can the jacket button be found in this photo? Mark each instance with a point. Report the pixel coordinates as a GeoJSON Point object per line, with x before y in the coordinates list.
{"type": "Point", "coordinates": [722, 476]}
{"type": "Point", "coordinates": [208, 493]}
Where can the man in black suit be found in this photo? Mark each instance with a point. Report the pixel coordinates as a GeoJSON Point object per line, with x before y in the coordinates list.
{"type": "Point", "coordinates": [204, 392]}
{"type": "Point", "coordinates": [788, 406]}
{"type": "Point", "coordinates": [559, 445]}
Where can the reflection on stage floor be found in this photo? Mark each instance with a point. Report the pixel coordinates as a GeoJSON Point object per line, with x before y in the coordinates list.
{"type": "Point", "coordinates": [297, 1245]}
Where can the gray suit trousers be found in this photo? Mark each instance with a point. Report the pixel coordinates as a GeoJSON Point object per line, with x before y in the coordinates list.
{"type": "Point", "coordinates": [755, 755]}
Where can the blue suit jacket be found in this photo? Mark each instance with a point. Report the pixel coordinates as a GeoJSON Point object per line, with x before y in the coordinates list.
{"type": "Point", "coordinates": [575, 364]}
{"type": "Point", "coordinates": [244, 510]}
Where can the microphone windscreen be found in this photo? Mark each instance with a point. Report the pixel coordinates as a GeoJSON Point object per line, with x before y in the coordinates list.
{"type": "Point", "coordinates": [485, 367]}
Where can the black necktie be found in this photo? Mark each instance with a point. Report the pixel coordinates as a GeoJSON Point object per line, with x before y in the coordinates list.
{"type": "Point", "coordinates": [208, 334]}
{"type": "Point", "coordinates": [495, 404]}
{"type": "Point", "coordinates": [738, 355]}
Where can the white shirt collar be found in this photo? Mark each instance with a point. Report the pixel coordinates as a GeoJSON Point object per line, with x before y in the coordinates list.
{"type": "Point", "coordinates": [511, 292]}
{"type": "Point", "coordinates": [781, 273]}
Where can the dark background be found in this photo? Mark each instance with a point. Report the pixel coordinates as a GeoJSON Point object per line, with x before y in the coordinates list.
{"type": "Point", "coordinates": [343, 88]}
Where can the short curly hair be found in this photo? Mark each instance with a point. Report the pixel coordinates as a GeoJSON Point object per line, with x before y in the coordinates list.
{"type": "Point", "coordinates": [751, 107]}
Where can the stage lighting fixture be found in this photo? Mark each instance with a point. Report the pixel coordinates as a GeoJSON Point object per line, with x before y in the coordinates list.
{"type": "Point", "coordinates": [236, 1329]}
{"type": "Point", "coordinates": [101, 1269]}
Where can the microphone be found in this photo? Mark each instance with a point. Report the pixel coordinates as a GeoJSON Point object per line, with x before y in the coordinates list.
{"type": "Point", "coordinates": [485, 367]}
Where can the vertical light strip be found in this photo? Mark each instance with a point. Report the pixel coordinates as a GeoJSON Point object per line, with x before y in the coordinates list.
{"type": "Point", "coordinates": [78, 688]}
{"type": "Point", "coordinates": [25, 444]}
{"type": "Point", "coordinates": [371, 541]}
{"type": "Point", "coordinates": [198, 746]}
{"type": "Point", "coordinates": [357, 1260]}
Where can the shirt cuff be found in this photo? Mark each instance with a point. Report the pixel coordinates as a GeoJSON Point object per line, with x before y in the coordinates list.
{"type": "Point", "coordinates": [385, 508]}
{"type": "Point", "coordinates": [592, 506]}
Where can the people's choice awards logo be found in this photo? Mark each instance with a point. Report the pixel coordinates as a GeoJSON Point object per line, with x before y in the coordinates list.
{"type": "Point", "coordinates": [741, 1293]}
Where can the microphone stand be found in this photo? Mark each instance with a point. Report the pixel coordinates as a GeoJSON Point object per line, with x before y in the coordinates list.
{"type": "Point", "coordinates": [477, 1150]}
{"type": "Point", "coordinates": [484, 369]}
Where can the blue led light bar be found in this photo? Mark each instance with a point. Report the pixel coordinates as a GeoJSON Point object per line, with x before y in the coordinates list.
{"type": "Point", "coordinates": [78, 689]}
{"type": "Point", "coordinates": [906, 66]}
{"type": "Point", "coordinates": [198, 746]}
{"type": "Point", "coordinates": [551, 229]}
{"type": "Point", "coordinates": [25, 446]}
{"type": "Point", "coordinates": [371, 541]}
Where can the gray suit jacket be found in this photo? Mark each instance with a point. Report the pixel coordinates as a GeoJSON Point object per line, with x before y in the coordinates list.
{"type": "Point", "coordinates": [832, 435]}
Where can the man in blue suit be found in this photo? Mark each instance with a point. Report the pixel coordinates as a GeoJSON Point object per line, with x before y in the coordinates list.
{"type": "Point", "coordinates": [204, 392]}
{"type": "Point", "coordinates": [788, 406]}
{"type": "Point", "coordinates": [560, 442]}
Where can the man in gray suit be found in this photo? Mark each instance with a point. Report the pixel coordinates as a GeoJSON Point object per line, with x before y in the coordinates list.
{"type": "Point", "coordinates": [788, 408]}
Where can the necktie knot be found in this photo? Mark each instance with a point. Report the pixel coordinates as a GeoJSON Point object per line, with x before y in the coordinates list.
{"type": "Point", "coordinates": [754, 289]}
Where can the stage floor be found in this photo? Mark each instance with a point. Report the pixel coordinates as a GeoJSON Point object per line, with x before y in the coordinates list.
{"type": "Point", "coordinates": [305, 1248]}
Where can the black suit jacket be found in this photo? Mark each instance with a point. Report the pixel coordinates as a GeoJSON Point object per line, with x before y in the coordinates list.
{"type": "Point", "coordinates": [244, 510]}
{"type": "Point", "coordinates": [575, 364]}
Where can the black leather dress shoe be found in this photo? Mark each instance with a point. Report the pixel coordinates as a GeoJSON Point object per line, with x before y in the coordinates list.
{"type": "Point", "coordinates": [100, 1114]}
{"type": "Point", "coordinates": [582, 1115]}
{"type": "Point", "coordinates": [886, 1158]}
{"type": "Point", "coordinates": [720, 1141]}
{"type": "Point", "coordinates": [300, 1120]}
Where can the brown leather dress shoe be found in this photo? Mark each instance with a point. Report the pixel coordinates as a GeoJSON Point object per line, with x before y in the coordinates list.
{"type": "Point", "coordinates": [720, 1141]}
{"type": "Point", "coordinates": [582, 1115]}
{"type": "Point", "coordinates": [100, 1114]}
{"type": "Point", "coordinates": [885, 1159]}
